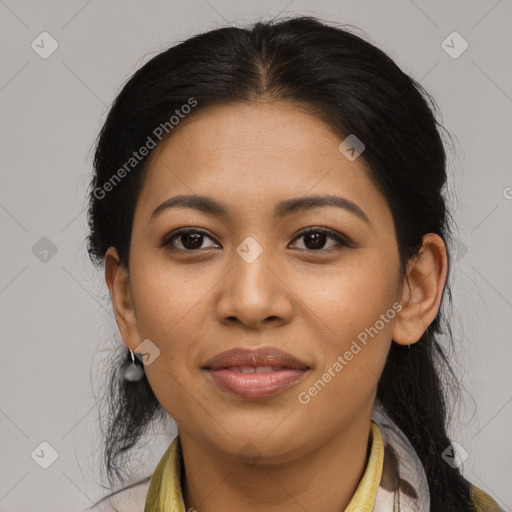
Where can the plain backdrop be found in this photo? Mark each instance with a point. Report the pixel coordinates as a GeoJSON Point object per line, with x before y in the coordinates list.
{"type": "Point", "coordinates": [56, 324]}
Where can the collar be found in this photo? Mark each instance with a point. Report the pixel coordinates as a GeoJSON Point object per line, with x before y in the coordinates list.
{"type": "Point", "coordinates": [165, 492]}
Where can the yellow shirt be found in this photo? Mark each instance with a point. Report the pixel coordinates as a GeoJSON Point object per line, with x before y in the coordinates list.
{"type": "Point", "coordinates": [165, 491]}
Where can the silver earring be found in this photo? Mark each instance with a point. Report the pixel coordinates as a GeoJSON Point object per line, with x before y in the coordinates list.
{"type": "Point", "coordinates": [132, 372]}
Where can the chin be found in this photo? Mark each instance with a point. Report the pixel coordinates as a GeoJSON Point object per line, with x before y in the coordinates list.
{"type": "Point", "coordinates": [260, 445]}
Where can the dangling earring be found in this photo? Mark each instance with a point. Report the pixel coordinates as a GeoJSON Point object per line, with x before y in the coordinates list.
{"type": "Point", "coordinates": [409, 346]}
{"type": "Point", "coordinates": [132, 372]}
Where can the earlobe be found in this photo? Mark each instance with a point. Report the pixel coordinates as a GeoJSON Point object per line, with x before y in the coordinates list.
{"type": "Point", "coordinates": [422, 290]}
{"type": "Point", "coordinates": [118, 282]}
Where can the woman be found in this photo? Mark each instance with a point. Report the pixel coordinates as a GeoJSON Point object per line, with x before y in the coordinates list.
{"type": "Point", "coordinates": [268, 204]}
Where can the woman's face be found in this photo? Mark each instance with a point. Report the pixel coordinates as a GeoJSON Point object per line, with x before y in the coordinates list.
{"type": "Point", "coordinates": [251, 278]}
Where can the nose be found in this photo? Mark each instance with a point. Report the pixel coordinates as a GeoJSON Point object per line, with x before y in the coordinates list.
{"type": "Point", "coordinates": [255, 294]}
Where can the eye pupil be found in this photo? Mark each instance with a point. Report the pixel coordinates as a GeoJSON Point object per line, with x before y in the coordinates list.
{"type": "Point", "coordinates": [193, 240]}
{"type": "Point", "coordinates": [196, 240]}
{"type": "Point", "coordinates": [317, 238]}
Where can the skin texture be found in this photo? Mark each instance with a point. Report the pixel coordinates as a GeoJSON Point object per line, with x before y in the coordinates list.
{"type": "Point", "coordinates": [309, 302]}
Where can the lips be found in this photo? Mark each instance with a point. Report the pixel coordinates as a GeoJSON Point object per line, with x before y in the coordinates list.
{"type": "Point", "coordinates": [254, 358]}
{"type": "Point", "coordinates": [258, 373]}
{"type": "Point", "coordinates": [254, 369]}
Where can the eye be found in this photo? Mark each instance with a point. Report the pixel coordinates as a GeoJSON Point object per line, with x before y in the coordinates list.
{"type": "Point", "coordinates": [315, 239]}
{"type": "Point", "coordinates": [191, 239]}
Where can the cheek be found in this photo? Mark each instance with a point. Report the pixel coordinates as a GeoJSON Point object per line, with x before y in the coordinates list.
{"type": "Point", "coordinates": [168, 301]}
{"type": "Point", "coordinates": [170, 321]}
{"type": "Point", "coordinates": [353, 305]}
{"type": "Point", "coordinates": [170, 312]}
{"type": "Point", "coordinates": [351, 297]}
{"type": "Point", "coordinates": [175, 393]}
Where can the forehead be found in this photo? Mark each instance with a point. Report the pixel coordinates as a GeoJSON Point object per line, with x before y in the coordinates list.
{"type": "Point", "coordinates": [255, 154]}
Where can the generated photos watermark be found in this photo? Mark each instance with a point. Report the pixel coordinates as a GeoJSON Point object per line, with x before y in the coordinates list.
{"type": "Point", "coordinates": [304, 397]}
{"type": "Point", "coordinates": [137, 156]}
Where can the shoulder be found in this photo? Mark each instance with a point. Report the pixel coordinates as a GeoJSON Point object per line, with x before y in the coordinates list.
{"type": "Point", "coordinates": [482, 501]}
{"type": "Point", "coordinates": [128, 499]}
{"type": "Point", "coordinates": [133, 498]}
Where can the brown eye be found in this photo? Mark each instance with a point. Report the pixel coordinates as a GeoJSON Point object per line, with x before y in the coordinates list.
{"type": "Point", "coordinates": [316, 238]}
{"type": "Point", "coordinates": [188, 239]}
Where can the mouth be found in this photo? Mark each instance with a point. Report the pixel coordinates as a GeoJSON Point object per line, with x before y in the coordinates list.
{"type": "Point", "coordinates": [260, 373]}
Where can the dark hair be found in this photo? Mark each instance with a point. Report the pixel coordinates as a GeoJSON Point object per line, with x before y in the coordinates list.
{"type": "Point", "coordinates": [357, 89]}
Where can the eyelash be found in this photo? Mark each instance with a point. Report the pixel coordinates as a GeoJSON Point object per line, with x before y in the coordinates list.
{"type": "Point", "coordinates": [341, 241]}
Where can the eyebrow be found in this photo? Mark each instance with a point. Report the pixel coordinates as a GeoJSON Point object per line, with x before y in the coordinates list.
{"type": "Point", "coordinates": [284, 208]}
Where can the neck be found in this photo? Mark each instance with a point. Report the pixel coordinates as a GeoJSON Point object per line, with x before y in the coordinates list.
{"type": "Point", "coordinates": [325, 478]}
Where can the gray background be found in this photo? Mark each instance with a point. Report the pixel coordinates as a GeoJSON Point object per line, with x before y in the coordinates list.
{"type": "Point", "coordinates": [56, 325]}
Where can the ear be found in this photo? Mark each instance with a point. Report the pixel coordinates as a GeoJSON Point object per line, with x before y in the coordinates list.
{"type": "Point", "coordinates": [118, 282]}
{"type": "Point", "coordinates": [422, 290]}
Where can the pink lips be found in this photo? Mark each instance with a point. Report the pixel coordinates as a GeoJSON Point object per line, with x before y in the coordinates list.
{"type": "Point", "coordinates": [255, 373]}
